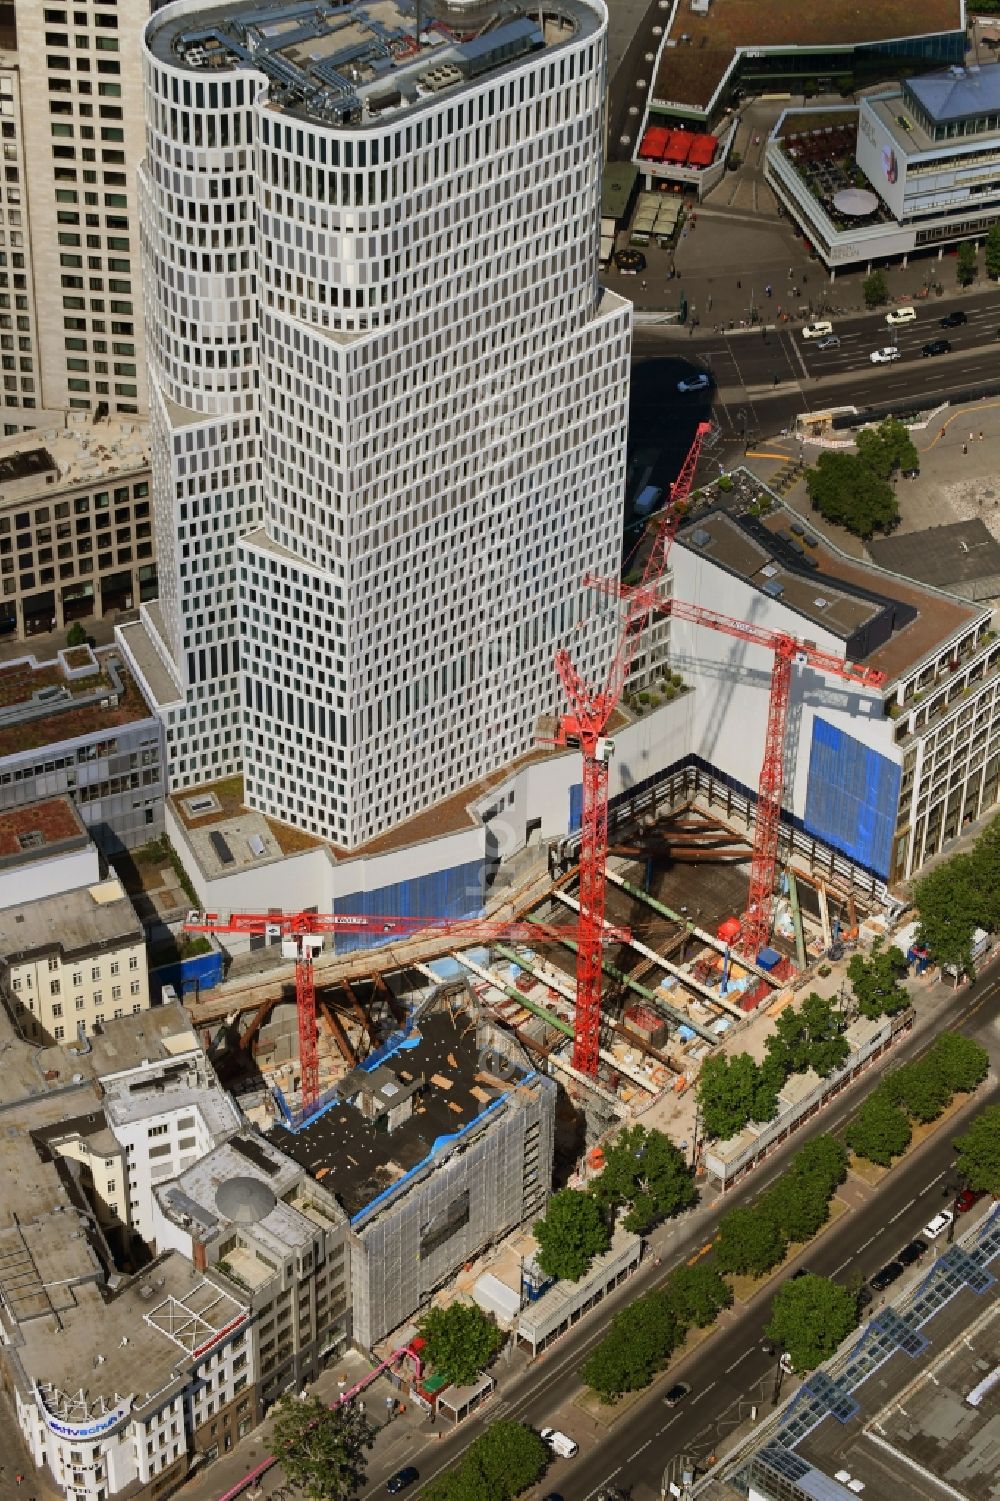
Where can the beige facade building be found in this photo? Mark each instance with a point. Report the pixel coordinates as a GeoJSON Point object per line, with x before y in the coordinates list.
{"type": "Point", "coordinates": [72, 129]}
{"type": "Point", "coordinates": [76, 534]}
{"type": "Point", "coordinates": [74, 952]}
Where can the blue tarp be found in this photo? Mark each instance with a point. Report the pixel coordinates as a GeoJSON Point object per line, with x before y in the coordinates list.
{"type": "Point", "coordinates": [458, 891]}
{"type": "Point", "coordinates": [852, 796]}
{"type": "Point", "coordinates": [575, 806]}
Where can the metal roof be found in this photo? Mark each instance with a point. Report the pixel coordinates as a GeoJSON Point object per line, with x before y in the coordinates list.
{"type": "Point", "coordinates": [958, 93]}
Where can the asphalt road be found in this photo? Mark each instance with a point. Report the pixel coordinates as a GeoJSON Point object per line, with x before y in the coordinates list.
{"type": "Point", "coordinates": [731, 1373]}
{"type": "Point", "coordinates": [762, 379]}
{"type": "Point", "coordinates": [865, 1238]}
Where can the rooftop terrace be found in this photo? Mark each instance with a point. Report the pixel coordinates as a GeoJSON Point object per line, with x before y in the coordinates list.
{"type": "Point", "coordinates": [347, 65]}
{"type": "Point", "coordinates": [690, 72]}
{"type": "Point", "coordinates": [82, 454]}
{"type": "Point", "coordinates": [41, 703]}
{"type": "Point", "coordinates": [39, 828]}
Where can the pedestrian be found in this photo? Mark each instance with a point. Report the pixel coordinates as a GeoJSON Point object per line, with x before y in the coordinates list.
{"type": "Point", "coordinates": [972, 437]}
{"type": "Point", "coordinates": [768, 290]}
{"type": "Point", "coordinates": [942, 433]}
{"type": "Point", "coordinates": [980, 437]}
{"type": "Point", "coordinates": [805, 278]}
{"type": "Point", "coordinates": [739, 285]}
{"type": "Point", "coordinates": [965, 447]}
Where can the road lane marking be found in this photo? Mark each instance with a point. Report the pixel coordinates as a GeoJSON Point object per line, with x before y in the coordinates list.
{"type": "Point", "coordinates": [636, 1452]}
{"type": "Point", "coordinates": [704, 1392]}
{"type": "Point", "coordinates": [740, 1360]}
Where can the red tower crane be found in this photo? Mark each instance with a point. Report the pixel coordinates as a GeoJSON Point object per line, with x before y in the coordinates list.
{"type": "Point", "coordinates": [303, 933]}
{"type": "Point", "coordinates": [755, 928]}
{"type": "Point", "coordinates": [585, 725]}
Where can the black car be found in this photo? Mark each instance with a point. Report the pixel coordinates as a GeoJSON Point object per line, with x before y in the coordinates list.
{"type": "Point", "coordinates": [402, 1478]}
{"type": "Point", "coordinates": [913, 1252]}
{"type": "Point", "coordinates": [677, 1393]}
{"type": "Point", "coordinates": [887, 1276]}
{"type": "Point", "coordinates": [936, 346]}
{"type": "Point", "coordinates": [954, 320]}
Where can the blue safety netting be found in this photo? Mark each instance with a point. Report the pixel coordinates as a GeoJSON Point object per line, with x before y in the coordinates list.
{"type": "Point", "coordinates": [852, 796]}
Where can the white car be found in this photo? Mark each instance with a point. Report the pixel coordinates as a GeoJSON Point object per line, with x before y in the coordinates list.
{"type": "Point", "coordinates": [901, 315]}
{"type": "Point", "coordinates": [560, 1443]}
{"type": "Point", "coordinates": [694, 382]}
{"type": "Point", "coordinates": [817, 330]}
{"type": "Point", "coordinates": [884, 356]}
{"type": "Point", "coordinates": [938, 1224]}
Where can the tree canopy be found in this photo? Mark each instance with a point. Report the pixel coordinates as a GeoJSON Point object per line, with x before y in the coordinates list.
{"type": "Point", "coordinates": [322, 1449]}
{"type": "Point", "coordinates": [951, 904]}
{"type": "Point", "coordinates": [963, 1063]}
{"type": "Point", "coordinates": [697, 1294]}
{"type": "Point", "coordinates": [843, 489]}
{"type": "Point", "coordinates": [880, 1131]}
{"type": "Point", "coordinates": [920, 1088]}
{"type": "Point", "coordinates": [887, 447]}
{"type": "Point", "coordinates": [992, 252]}
{"type": "Point", "coordinates": [808, 1036]}
{"type": "Point", "coordinates": [644, 1171]}
{"type": "Point", "coordinates": [640, 1342]}
{"type": "Point", "coordinates": [875, 982]}
{"type": "Point", "coordinates": [966, 264]}
{"type": "Point", "coordinates": [461, 1341]}
{"type": "Point", "coordinates": [875, 289]}
{"type": "Point", "coordinates": [572, 1233]}
{"type": "Point", "coordinates": [501, 1463]}
{"type": "Point", "coordinates": [810, 1316]}
{"type": "Point", "coordinates": [750, 1240]}
{"type": "Point", "coordinates": [732, 1091]}
{"type": "Point", "coordinates": [979, 1151]}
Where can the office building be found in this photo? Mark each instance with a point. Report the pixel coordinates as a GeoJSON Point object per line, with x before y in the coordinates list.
{"type": "Point", "coordinates": [74, 951]}
{"type": "Point", "coordinates": [72, 125]}
{"type": "Point", "coordinates": [258, 1220]}
{"type": "Point", "coordinates": [434, 1153]}
{"type": "Point", "coordinates": [389, 396]}
{"type": "Point", "coordinates": [76, 529]}
{"type": "Point", "coordinates": [928, 151]}
{"type": "Point", "coordinates": [85, 730]}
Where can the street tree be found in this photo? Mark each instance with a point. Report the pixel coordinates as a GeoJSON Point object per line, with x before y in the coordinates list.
{"type": "Point", "coordinates": [844, 490]}
{"type": "Point", "coordinates": [322, 1449]}
{"type": "Point", "coordinates": [887, 447]}
{"type": "Point", "coordinates": [875, 982]}
{"type": "Point", "coordinates": [726, 1093]}
{"type": "Point", "coordinates": [799, 1205]}
{"type": "Point", "coordinates": [992, 255]}
{"type": "Point", "coordinates": [979, 1152]}
{"type": "Point", "coordinates": [808, 1036]}
{"type": "Point", "coordinates": [461, 1341]}
{"type": "Point", "coordinates": [640, 1342]}
{"type": "Point", "coordinates": [920, 1088]}
{"type": "Point", "coordinates": [76, 635]}
{"type": "Point", "coordinates": [967, 263]}
{"type": "Point", "coordinates": [750, 1241]}
{"type": "Point", "coordinates": [572, 1233]}
{"type": "Point", "coordinates": [963, 1063]}
{"type": "Point", "coordinates": [500, 1464]}
{"type": "Point", "coordinates": [875, 289]}
{"type": "Point", "coordinates": [986, 862]}
{"type": "Point", "coordinates": [646, 1173]}
{"type": "Point", "coordinates": [697, 1294]}
{"type": "Point", "coordinates": [810, 1316]}
{"type": "Point", "coordinates": [880, 1131]}
{"type": "Point", "coordinates": [950, 902]}
{"type": "Point", "coordinates": [821, 1160]}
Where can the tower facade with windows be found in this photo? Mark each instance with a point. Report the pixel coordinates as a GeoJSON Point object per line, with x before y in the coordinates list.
{"type": "Point", "coordinates": [389, 395]}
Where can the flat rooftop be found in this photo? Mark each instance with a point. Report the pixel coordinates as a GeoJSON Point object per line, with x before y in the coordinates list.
{"type": "Point", "coordinates": [181, 1084]}
{"type": "Point", "coordinates": [354, 1158]}
{"type": "Point", "coordinates": [79, 455]}
{"type": "Point", "coordinates": [936, 616]}
{"type": "Point", "coordinates": [41, 706]}
{"type": "Point", "coordinates": [812, 595]}
{"type": "Point", "coordinates": [955, 555]}
{"type": "Point", "coordinates": [145, 1337]}
{"type": "Point", "coordinates": [690, 72]}
{"type": "Point", "coordinates": [350, 64]}
{"type": "Point", "coordinates": [88, 920]}
{"type": "Point", "coordinates": [39, 829]}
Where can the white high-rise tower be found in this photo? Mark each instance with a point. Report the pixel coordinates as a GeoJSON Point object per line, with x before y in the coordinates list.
{"type": "Point", "coordinates": [389, 397]}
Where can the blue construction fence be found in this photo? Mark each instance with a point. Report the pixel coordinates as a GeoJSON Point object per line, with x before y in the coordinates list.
{"type": "Point", "coordinates": [203, 972]}
{"type": "Point", "coordinates": [459, 891]}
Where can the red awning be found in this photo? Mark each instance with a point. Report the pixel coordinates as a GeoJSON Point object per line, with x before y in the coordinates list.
{"type": "Point", "coordinates": [702, 152]}
{"type": "Point", "coordinates": [653, 143]}
{"type": "Point", "coordinates": [678, 146]}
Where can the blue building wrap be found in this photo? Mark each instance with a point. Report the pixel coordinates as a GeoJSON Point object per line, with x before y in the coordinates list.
{"type": "Point", "coordinates": [203, 972]}
{"type": "Point", "coordinates": [575, 806]}
{"type": "Point", "coordinates": [852, 796]}
{"type": "Point", "coordinates": [458, 891]}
